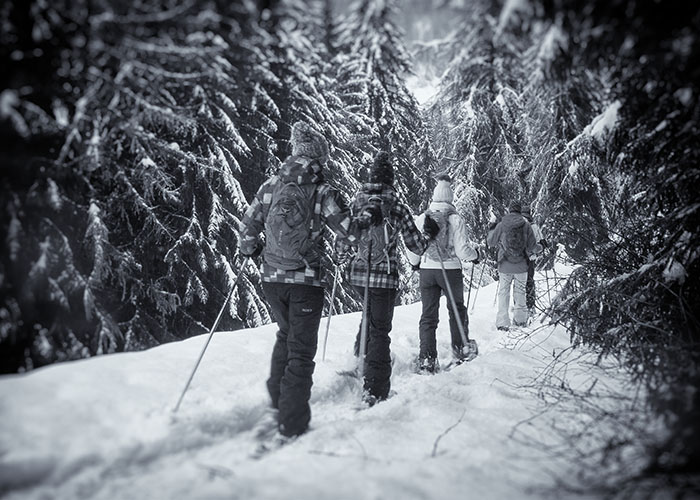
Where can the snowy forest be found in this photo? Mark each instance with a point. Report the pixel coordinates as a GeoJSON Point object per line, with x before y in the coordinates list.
{"type": "Point", "coordinates": [133, 135]}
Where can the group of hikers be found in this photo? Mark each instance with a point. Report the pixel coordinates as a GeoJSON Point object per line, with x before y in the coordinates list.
{"type": "Point", "coordinates": [291, 210]}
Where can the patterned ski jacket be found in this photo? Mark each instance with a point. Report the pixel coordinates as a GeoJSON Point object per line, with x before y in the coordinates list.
{"type": "Point", "coordinates": [459, 248]}
{"type": "Point", "coordinates": [385, 274]}
{"type": "Point", "coordinates": [493, 239]}
{"type": "Point", "coordinates": [330, 210]}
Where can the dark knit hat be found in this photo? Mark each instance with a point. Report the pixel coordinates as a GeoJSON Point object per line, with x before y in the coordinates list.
{"type": "Point", "coordinates": [515, 206]}
{"type": "Point", "coordinates": [382, 170]}
{"type": "Point", "coordinates": [309, 143]}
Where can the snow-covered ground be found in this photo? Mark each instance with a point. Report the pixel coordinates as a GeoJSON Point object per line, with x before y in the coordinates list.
{"type": "Point", "coordinates": [103, 428]}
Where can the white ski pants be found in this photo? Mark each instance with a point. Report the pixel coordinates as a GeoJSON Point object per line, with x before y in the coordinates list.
{"type": "Point", "coordinates": [518, 282]}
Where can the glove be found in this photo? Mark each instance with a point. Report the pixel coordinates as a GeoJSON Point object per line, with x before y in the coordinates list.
{"type": "Point", "coordinates": [370, 216]}
{"type": "Point", "coordinates": [430, 227]}
{"type": "Point", "coordinates": [340, 259]}
{"type": "Point", "coordinates": [478, 256]}
{"type": "Point", "coordinates": [544, 243]}
{"type": "Point", "coordinates": [255, 253]}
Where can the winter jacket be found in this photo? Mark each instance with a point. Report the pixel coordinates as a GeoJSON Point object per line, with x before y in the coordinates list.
{"type": "Point", "coordinates": [330, 206]}
{"type": "Point", "coordinates": [493, 239]}
{"type": "Point", "coordinates": [385, 274]}
{"type": "Point", "coordinates": [460, 250]}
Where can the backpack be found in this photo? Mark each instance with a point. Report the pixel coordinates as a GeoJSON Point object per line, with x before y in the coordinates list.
{"type": "Point", "coordinates": [513, 243]}
{"type": "Point", "coordinates": [291, 230]}
{"type": "Point", "coordinates": [383, 236]}
{"type": "Point", "coordinates": [443, 241]}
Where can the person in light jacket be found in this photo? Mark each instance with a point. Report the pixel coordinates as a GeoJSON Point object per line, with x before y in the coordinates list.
{"type": "Point", "coordinates": [451, 247]}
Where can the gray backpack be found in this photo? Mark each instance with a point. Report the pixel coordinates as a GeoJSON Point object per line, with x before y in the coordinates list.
{"type": "Point", "coordinates": [513, 242]}
{"type": "Point", "coordinates": [291, 226]}
{"type": "Point", "coordinates": [443, 241]}
{"type": "Point", "coordinates": [383, 236]}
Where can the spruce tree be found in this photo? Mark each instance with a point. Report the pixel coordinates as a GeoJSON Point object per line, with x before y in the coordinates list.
{"type": "Point", "coordinates": [130, 235]}
{"type": "Point", "coordinates": [371, 36]}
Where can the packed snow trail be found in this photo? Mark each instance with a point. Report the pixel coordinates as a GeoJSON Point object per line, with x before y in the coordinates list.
{"type": "Point", "coordinates": [103, 428]}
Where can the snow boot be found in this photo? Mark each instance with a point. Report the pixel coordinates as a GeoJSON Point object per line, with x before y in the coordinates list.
{"type": "Point", "coordinates": [428, 366]}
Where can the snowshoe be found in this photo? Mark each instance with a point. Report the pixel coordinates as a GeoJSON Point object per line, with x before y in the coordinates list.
{"type": "Point", "coordinates": [353, 373]}
{"type": "Point", "coordinates": [466, 353]}
{"type": "Point", "coordinates": [266, 427]}
{"type": "Point", "coordinates": [270, 444]}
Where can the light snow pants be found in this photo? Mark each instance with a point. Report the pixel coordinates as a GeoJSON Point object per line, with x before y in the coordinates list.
{"type": "Point", "coordinates": [518, 282]}
{"type": "Point", "coordinates": [297, 309]}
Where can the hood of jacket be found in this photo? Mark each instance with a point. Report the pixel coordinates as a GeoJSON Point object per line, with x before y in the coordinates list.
{"type": "Point", "coordinates": [442, 206]}
{"type": "Point", "coordinates": [301, 170]}
{"type": "Point", "coordinates": [372, 189]}
{"type": "Point", "coordinates": [512, 220]}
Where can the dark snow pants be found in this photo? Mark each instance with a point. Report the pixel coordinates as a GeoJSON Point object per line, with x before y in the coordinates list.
{"type": "Point", "coordinates": [432, 286]}
{"type": "Point", "coordinates": [378, 353]}
{"type": "Point", "coordinates": [530, 285]}
{"type": "Point", "coordinates": [297, 310]}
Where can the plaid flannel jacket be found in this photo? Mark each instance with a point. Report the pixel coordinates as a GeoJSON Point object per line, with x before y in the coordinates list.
{"type": "Point", "coordinates": [384, 274]}
{"type": "Point", "coordinates": [330, 209]}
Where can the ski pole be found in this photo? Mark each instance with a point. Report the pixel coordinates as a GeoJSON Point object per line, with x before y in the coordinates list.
{"type": "Point", "coordinates": [211, 334]}
{"type": "Point", "coordinates": [469, 291]}
{"type": "Point", "coordinates": [460, 321]}
{"type": "Point", "coordinates": [495, 297]}
{"type": "Point", "coordinates": [365, 319]}
{"type": "Point", "coordinates": [546, 278]}
{"type": "Point", "coordinates": [476, 294]}
{"type": "Point", "coordinates": [330, 311]}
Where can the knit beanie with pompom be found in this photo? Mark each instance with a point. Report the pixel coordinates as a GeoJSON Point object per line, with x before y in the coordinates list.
{"type": "Point", "coordinates": [309, 143]}
{"type": "Point", "coordinates": [443, 189]}
{"type": "Point", "coordinates": [382, 170]}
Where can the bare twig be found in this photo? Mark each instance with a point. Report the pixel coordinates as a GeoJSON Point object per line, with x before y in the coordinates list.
{"type": "Point", "coordinates": [445, 432]}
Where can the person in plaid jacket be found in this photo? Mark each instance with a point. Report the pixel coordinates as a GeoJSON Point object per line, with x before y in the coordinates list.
{"type": "Point", "coordinates": [383, 270]}
{"type": "Point", "coordinates": [294, 290]}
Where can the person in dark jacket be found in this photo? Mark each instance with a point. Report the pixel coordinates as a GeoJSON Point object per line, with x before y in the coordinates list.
{"type": "Point", "coordinates": [291, 269]}
{"type": "Point", "coordinates": [512, 268]}
{"type": "Point", "coordinates": [392, 218]}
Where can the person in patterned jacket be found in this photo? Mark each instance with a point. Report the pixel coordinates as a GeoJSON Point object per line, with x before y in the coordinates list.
{"type": "Point", "coordinates": [291, 269]}
{"type": "Point", "coordinates": [391, 219]}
